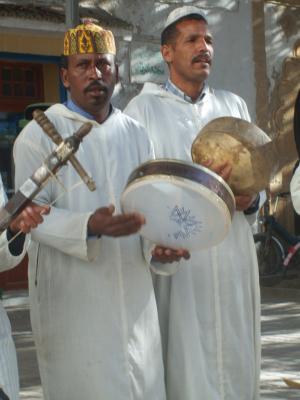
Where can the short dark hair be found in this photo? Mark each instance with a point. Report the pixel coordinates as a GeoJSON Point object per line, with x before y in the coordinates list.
{"type": "Point", "coordinates": [169, 35]}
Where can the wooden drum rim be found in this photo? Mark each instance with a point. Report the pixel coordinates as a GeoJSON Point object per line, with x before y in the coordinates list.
{"type": "Point", "coordinates": [186, 170]}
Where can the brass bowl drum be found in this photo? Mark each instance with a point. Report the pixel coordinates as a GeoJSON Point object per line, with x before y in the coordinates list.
{"type": "Point", "coordinates": [253, 156]}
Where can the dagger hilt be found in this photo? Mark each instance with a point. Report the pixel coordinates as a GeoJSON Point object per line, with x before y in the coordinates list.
{"type": "Point", "coordinates": [50, 130]}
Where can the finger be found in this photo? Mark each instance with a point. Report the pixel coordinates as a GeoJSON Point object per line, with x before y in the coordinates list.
{"type": "Point", "coordinates": [111, 209]}
{"type": "Point", "coordinates": [186, 255]}
{"type": "Point", "coordinates": [23, 222]}
{"type": "Point", "coordinates": [157, 251]}
{"type": "Point", "coordinates": [29, 218]}
{"type": "Point", "coordinates": [226, 172]}
{"type": "Point", "coordinates": [223, 170]}
{"type": "Point", "coordinates": [106, 210]}
{"type": "Point", "coordinates": [32, 214]}
{"type": "Point", "coordinates": [24, 227]}
{"type": "Point", "coordinates": [44, 210]}
{"type": "Point", "coordinates": [123, 225]}
{"type": "Point", "coordinates": [40, 209]}
{"type": "Point", "coordinates": [243, 198]}
{"type": "Point", "coordinates": [207, 162]}
{"type": "Point", "coordinates": [128, 218]}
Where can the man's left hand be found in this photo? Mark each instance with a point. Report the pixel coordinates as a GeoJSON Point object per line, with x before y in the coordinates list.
{"type": "Point", "coordinates": [243, 202]}
{"type": "Point", "coordinates": [166, 255]}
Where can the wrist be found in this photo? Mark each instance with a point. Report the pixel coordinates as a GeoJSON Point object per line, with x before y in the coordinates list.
{"type": "Point", "coordinates": [254, 206]}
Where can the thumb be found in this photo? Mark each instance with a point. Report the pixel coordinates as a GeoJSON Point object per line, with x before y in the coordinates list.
{"type": "Point", "coordinates": [109, 210]}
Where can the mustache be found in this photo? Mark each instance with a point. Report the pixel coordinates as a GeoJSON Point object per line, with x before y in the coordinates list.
{"type": "Point", "coordinates": [95, 85]}
{"type": "Point", "coordinates": [204, 56]}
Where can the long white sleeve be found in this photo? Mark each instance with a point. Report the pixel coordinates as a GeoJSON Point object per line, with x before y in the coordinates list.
{"type": "Point", "coordinates": [295, 190]}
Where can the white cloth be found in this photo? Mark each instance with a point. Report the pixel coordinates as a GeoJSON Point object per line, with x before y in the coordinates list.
{"type": "Point", "coordinates": [295, 190]}
{"type": "Point", "coordinates": [93, 307]}
{"type": "Point", "coordinates": [9, 378]}
{"type": "Point", "coordinates": [209, 309]}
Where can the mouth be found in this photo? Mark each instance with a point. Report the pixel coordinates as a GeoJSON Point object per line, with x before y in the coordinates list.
{"type": "Point", "coordinates": [96, 89]}
{"type": "Point", "coordinates": [202, 59]}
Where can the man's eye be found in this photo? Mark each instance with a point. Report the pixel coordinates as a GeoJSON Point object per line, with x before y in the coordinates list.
{"type": "Point", "coordinates": [82, 65]}
{"type": "Point", "coordinates": [104, 66]}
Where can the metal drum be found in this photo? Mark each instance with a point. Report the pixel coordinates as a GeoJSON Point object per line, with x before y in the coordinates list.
{"type": "Point", "coordinates": [249, 150]}
{"type": "Point", "coordinates": [185, 205]}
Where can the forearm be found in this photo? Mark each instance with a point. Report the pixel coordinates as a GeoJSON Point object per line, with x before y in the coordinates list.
{"type": "Point", "coordinates": [66, 231]}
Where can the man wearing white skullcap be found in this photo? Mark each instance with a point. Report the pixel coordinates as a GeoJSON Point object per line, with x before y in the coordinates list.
{"type": "Point", "coordinates": [209, 309]}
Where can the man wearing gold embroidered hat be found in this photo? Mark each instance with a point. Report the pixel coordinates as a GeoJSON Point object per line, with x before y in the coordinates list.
{"type": "Point", "coordinates": [93, 309]}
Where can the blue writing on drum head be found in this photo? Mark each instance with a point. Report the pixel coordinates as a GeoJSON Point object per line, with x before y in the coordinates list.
{"type": "Point", "coordinates": [187, 223]}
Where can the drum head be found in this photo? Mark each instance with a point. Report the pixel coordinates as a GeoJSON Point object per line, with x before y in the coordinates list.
{"type": "Point", "coordinates": [180, 212]}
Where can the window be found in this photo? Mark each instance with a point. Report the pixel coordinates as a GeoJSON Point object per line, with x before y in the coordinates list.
{"type": "Point", "coordinates": [20, 85]}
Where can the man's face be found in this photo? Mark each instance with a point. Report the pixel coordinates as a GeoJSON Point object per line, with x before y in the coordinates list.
{"type": "Point", "coordinates": [91, 79]}
{"type": "Point", "coordinates": [190, 57]}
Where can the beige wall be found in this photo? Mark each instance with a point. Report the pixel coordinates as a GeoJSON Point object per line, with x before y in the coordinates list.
{"type": "Point", "coordinates": [26, 43]}
{"type": "Point", "coordinates": [44, 45]}
{"type": "Point", "coordinates": [51, 83]}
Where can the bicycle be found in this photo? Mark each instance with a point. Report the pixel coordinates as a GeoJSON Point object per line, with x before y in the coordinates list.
{"type": "Point", "coordinates": [278, 251]}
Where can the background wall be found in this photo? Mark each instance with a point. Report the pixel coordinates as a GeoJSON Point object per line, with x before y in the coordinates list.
{"type": "Point", "coordinates": [230, 23]}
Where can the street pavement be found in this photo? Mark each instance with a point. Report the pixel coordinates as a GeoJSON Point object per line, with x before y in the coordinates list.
{"type": "Point", "coordinates": [280, 343]}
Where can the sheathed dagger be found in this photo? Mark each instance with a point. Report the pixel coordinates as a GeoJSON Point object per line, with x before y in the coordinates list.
{"type": "Point", "coordinates": [57, 159]}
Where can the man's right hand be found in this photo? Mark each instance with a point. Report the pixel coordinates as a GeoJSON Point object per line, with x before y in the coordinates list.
{"type": "Point", "coordinates": [103, 222]}
{"type": "Point", "coordinates": [29, 218]}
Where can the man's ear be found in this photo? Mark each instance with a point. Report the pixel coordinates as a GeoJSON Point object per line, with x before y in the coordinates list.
{"type": "Point", "coordinates": [64, 77]}
{"type": "Point", "coordinates": [167, 52]}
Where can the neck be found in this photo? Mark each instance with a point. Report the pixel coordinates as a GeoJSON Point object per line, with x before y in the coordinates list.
{"type": "Point", "coordinates": [98, 113]}
{"type": "Point", "coordinates": [102, 115]}
{"type": "Point", "coordinates": [190, 88]}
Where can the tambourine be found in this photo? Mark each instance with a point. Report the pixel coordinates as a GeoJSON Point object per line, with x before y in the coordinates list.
{"type": "Point", "coordinates": [185, 205]}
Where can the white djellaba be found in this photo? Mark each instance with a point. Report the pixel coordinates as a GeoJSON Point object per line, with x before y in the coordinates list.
{"type": "Point", "coordinates": [209, 309]}
{"type": "Point", "coordinates": [9, 377]}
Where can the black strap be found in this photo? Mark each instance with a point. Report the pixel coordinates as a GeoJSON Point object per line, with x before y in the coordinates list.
{"type": "Point", "coordinates": [253, 207]}
{"type": "Point", "coordinates": [17, 245]}
{"type": "Point", "coordinates": [3, 396]}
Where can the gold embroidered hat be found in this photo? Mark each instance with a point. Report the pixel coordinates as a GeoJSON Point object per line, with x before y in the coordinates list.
{"type": "Point", "coordinates": [89, 38]}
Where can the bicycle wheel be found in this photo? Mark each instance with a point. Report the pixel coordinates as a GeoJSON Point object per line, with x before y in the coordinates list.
{"type": "Point", "coordinates": [269, 255]}
{"type": "Point", "coordinates": [292, 262]}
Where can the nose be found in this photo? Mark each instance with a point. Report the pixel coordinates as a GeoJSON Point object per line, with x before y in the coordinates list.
{"type": "Point", "coordinates": [95, 72]}
{"type": "Point", "coordinates": [203, 45]}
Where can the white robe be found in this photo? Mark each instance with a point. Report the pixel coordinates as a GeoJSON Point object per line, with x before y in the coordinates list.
{"type": "Point", "coordinates": [9, 378]}
{"type": "Point", "coordinates": [92, 301]}
{"type": "Point", "coordinates": [295, 190]}
{"type": "Point", "coordinates": [209, 309]}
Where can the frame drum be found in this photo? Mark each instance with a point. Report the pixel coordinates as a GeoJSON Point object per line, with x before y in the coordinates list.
{"type": "Point", "coordinates": [185, 205]}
